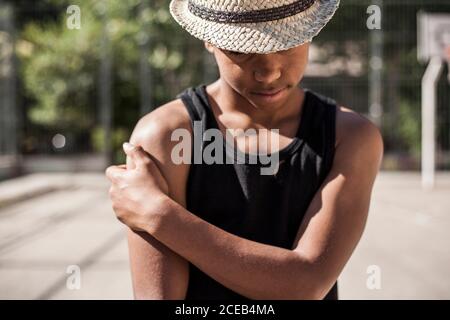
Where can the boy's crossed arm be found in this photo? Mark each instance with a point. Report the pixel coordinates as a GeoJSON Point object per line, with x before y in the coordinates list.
{"type": "Point", "coordinates": [331, 229]}
{"type": "Point", "coordinates": [157, 271]}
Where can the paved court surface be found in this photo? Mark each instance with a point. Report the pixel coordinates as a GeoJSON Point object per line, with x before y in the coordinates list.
{"type": "Point", "coordinates": [57, 221]}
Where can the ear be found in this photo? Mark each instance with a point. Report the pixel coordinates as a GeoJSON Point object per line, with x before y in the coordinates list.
{"type": "Point", "coordinates": [209, 47]}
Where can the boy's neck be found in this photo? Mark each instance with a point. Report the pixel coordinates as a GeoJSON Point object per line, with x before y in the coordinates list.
{"type": "Point", "coordinates": [228, 101]}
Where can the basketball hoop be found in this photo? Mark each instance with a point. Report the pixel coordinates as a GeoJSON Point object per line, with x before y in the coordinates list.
{"type": "Point", "coordinates": [433, 48]}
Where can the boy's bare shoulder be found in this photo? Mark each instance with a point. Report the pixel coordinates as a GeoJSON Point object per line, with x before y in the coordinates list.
{"type": "Point", "coordinates": [153, 133]}
{"type": "Point", "coordinates": [350, 122]}
{"type": "Point", "coordinates": [156, 127]}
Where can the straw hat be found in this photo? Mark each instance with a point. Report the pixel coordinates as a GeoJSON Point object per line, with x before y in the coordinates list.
{"type": "Point", "coordinates": [254, 26]}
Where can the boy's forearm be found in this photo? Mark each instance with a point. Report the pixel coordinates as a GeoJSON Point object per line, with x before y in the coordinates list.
{"type": "Point", "coordinates": [252, 269]}
{"type": "Point", "coordinates": [157, 272]}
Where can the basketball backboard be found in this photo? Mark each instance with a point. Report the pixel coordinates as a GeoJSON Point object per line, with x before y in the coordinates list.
{"type": "Point", "coordinates": [433, 36]}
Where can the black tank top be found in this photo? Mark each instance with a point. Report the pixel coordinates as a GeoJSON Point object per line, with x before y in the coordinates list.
{"type": "Point", "coordinates": [239, 199]}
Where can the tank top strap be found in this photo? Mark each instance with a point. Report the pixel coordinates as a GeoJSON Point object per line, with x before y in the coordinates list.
{"type": "Point", "coordinates": [197, 107]}
{"type": "Point", "coordinates": [320, 129]}
{"type": "Point", "coordinates": [190, 99]}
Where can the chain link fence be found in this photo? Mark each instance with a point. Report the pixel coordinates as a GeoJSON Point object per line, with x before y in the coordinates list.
{"type": "Point", "coordinates": [371, 70]}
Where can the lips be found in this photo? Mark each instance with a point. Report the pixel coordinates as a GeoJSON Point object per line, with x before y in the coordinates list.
{"type": "Point", "coordinates": [269, 92]}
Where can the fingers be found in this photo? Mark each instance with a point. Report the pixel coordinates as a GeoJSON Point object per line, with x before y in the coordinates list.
{"type": "Point", "coordinates": [139, 158]}
{"type": "Point", "coordinates": [138, 155]}
{"type": "Point", "coordinates": [130, 162]}
{"type": "Point", "coordinates": [114, 173]}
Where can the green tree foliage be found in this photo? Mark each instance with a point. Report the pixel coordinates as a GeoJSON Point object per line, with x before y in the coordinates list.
{"type": "Point", "coordinates": [60, 66]}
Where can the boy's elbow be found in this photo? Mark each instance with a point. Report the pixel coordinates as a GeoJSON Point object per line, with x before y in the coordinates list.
{"type": "Point", "coordinates": [307, 293]}
{"type": "Point", "coordinates": [312, 284]}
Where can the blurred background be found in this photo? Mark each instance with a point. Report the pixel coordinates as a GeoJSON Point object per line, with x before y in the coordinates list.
{"type": "Point", "coordinates": [75, 77]}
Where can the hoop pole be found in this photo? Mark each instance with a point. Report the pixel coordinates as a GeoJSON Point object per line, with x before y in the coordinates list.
{"type": "Point", "coordinates": [429, 83]}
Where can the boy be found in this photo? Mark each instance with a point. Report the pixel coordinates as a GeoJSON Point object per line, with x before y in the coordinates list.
{"type": "Point", "coordinates": [227, 231]}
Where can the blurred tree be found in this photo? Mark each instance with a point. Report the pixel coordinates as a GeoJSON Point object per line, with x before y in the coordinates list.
{"type": "Point", "coordinates": [60, 66]}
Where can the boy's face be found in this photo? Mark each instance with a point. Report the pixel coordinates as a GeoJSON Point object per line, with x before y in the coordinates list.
{"type": "Point", "coordinates": [250, 74]}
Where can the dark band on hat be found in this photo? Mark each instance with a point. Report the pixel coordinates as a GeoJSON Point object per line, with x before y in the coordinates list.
{"type": "Point", "coordinates": [262, 15]}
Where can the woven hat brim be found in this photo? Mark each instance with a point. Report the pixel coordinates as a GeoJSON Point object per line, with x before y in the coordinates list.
{"type": "Point", "coordinates": [267, 37]}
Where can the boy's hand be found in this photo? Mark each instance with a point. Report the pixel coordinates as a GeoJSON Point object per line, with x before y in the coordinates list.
{"type": "Point", "coordinates": [136, 193]}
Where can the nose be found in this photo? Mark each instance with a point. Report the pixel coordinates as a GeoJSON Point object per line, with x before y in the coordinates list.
{"type": "Point", "coordinates": [266, 69]}
{"type": "Point", "coordinates": [269, 76]}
